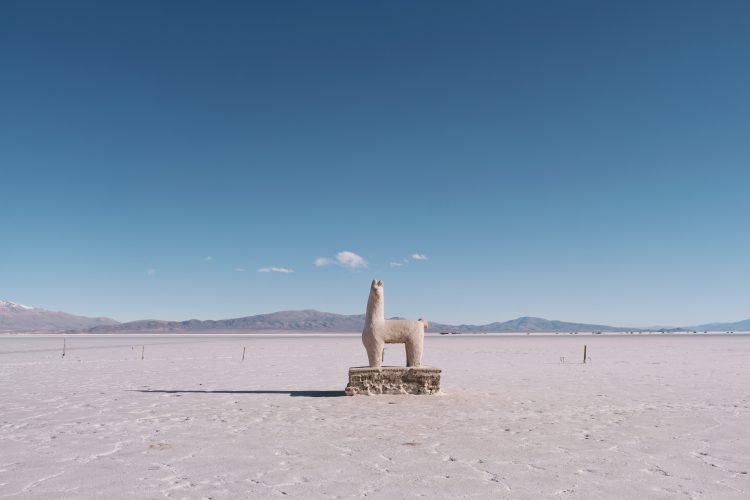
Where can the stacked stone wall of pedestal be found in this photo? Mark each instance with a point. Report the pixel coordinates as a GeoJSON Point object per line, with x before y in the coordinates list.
{"type": "Point", "coordinates": [393, 380]}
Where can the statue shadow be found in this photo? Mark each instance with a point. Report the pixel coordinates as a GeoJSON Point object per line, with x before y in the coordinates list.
{"type": "Point", "coordinates": [294, 394]}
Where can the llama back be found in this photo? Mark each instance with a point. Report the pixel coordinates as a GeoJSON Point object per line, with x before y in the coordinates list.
{"type": "Point", "coordinates": [401, 330]}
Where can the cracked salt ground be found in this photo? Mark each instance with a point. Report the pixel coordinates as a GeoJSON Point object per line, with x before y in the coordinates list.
{"type": "Point", "coordinates": [655, 417]}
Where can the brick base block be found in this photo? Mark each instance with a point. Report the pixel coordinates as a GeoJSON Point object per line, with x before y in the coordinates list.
{"type": "Point", "coordinates": [393, 380]}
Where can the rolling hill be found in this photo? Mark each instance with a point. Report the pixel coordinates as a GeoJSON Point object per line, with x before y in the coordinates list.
{"type": "Point", "coordinates": [20, 318]}
{"type": "Point", "coordinates": [310, 320]}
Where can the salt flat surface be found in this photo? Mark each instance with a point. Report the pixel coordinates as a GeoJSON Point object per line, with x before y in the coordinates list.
{"type": "Point", "coordinates": [648, 416]}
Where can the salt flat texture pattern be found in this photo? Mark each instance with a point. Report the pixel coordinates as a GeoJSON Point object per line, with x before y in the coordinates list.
{"type": "Point", "coordinates": [393, 380]}
{"type": "Point", "coordinates": [646, 417]}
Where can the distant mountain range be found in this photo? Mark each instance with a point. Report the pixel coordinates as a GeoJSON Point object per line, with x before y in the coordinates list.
{"type": "Point", "coordinates": [737, 326]}
{"type": "Point", "coordinates": [20, 318]}
{"type": "Point", "coordinates": [310, 320]}
{"type": "Point", "coordinates": [316, 321]}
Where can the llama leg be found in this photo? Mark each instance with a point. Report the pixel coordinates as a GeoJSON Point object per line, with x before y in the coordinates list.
{"type": "Point", "coordinates": [372, 357]}
{"type": "Point", "coordinates": [418, 348]}
{"type": "Point", "coordinates": [375, 354]}
{"type": "Point", "coordinates": [409, 353]}
{"type": "Point", "coordinates": [414, 348]}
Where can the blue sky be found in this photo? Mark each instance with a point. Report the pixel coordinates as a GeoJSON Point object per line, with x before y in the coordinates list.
{"type": "Point", "coordinates": [583, 161]}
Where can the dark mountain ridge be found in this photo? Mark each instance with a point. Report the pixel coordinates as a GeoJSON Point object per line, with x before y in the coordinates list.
{"type": "Point", "coordinates": [316, 321]}
{"type": "Point", "coordinates": [19, 318]}
{"type": "Point", "coordinates": [306, 320]}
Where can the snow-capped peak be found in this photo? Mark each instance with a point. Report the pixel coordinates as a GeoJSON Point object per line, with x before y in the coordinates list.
{"type": "Point", "coordinates": [12, 305]}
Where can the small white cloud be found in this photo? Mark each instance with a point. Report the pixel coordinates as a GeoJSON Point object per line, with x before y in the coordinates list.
{"type": "Point", "coordinates": [397, 264]}
{"type": "Point", "coordinates": [239, 269]}
{"type": "Point", "coordinates": [418, 256]}
{"type": "Point", "coordinates": [350, 260]}
{"type": "Point", "coordinates": [275, 270]}
{"type": "Point", "coordinates": [151, 272]}
{"type": "Point", "coordinates": [347, 259]}
{"type": "Point", "coordinates": [208, 258]}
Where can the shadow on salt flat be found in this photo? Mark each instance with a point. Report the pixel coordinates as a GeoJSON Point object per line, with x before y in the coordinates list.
{"type": "Point", "coordinates": [294, 394]}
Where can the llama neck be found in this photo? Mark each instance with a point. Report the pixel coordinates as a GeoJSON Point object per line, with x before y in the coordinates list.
{"type": "Point", "coordinates": [375, 309]}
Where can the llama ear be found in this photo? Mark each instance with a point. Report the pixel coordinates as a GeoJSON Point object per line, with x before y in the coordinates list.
{"type": "Point", "coordinates": [380, 282]}
{"type": "Point", "coordinates": [373, 283]}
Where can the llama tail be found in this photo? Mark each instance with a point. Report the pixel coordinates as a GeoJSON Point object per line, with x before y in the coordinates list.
{"type": "Point", "coordinates": [424, 322]}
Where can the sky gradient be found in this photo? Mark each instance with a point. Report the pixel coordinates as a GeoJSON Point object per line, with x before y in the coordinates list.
{"type": "Point", "coordinates": [581, 161]}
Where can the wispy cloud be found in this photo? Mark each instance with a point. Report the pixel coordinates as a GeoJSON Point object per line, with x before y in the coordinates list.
{"type": "Point", "coordinates": [404, 261]}
{"type": "Point", "coordinates": [150, 272]}
{"type": "Point", "coordinates": [275, 270]}
{"type": "Point", "coordinates": [208, 258]}
{"type": "Point", "coordinates": [347, 259]}
{"type": "Point", "coordinates": [239, 269]}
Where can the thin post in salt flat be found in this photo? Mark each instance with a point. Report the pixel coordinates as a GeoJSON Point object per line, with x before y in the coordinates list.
{"type": "Point", "coordinates": [65, 345]}
{"type": "Point", "coordinates": [243, 353]}
{"type": "Point", "coordinates": [584, 354]}
{"type": "Point", "coordinates": [143, 349]}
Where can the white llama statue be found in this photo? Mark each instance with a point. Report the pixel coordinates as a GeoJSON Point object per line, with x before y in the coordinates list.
{"type": "Point", "coordinates": [378, 331]}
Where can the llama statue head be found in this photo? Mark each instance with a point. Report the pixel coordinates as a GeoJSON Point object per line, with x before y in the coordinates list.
{"type": "Point", "coordinates": [376, 288]}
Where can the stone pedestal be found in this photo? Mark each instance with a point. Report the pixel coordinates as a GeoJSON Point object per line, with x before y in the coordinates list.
{"type": "Point", "coordinates": [393, 380]}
